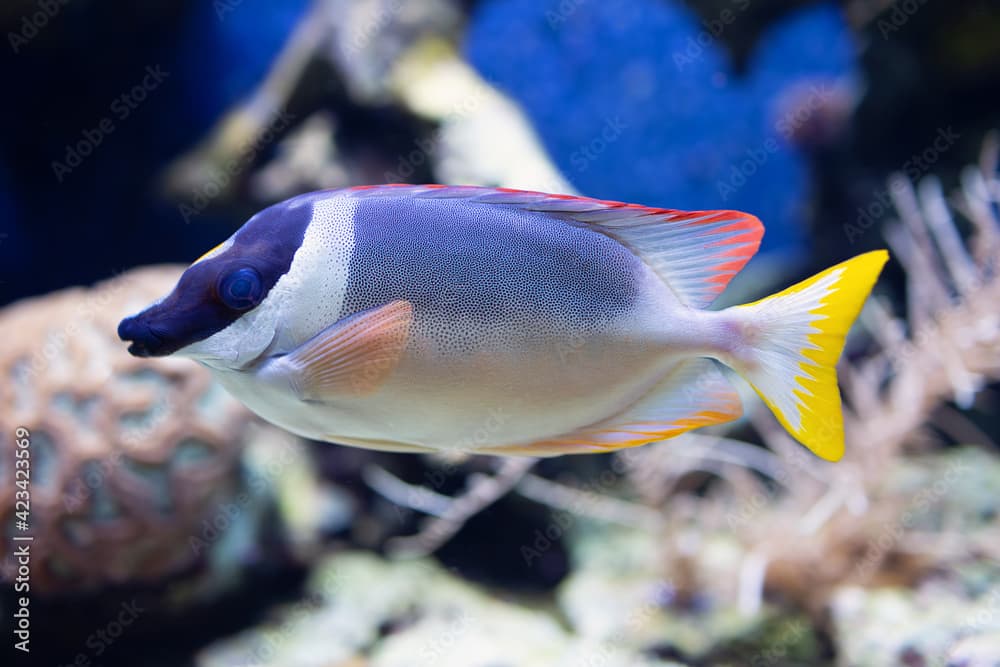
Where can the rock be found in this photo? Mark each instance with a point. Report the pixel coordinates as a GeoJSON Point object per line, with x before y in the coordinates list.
{"type": "Point", "coordinates": [619, 593]}
{"type": "Point", "coordinates": [930, 626]}
{"type": "Point", "coordinates": [976, 651]}
{"type": "Point", "coordinates": [483, 137]}
{"type": "Point", "coordinates": [368, 36]}
{"type": "Point", "coordinates": [306, 160]}
{"type": "Point", "coordinates": [362, 609]}
{"type": "Point", "coordinates": [644, 614]}
{"type": "Point", "coordinates": [954, 488]}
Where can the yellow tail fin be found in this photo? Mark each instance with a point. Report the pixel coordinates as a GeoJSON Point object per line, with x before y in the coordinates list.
{"type": "Point", "coordinates": [796, 337]}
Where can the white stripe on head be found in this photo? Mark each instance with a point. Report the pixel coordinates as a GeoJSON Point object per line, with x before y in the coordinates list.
{"type": "Point", "coordinates": [314, 289]}
{"type": "Point", "coordinates": [304, 301]}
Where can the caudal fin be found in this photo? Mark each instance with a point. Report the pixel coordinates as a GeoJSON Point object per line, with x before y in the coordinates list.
{"type": "Point", "coordinates": [795, 338]}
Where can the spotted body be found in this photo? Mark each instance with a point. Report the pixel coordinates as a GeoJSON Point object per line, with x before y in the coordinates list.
{"type": "Point", "coordinates": [419, 318]}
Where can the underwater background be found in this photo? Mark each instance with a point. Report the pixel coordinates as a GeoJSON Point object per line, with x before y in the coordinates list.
{"type": "Point", "coordinates": [173, 528]}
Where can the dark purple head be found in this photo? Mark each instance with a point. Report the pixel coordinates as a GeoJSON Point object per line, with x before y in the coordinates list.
{"type": "Point", "coordinates": [224, 284]}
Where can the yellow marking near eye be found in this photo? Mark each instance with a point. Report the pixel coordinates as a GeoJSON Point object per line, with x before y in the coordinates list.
{"type": "Point", "coordinates": [214, 251]}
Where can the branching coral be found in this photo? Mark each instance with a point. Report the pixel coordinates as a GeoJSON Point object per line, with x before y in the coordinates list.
{"type": "Point", "coordinates": [803, 525]}
{"type": "Point", "coordinates": [807, 526]}
{"type": "Point", "coordinates": [833, 524]}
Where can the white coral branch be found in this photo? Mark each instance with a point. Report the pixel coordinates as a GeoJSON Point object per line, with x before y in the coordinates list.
{"type": "Point", "coordinates": [481, 492]}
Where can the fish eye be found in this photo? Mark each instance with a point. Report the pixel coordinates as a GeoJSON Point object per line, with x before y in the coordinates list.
{"type": "Point", "coordinates": [241, 289]}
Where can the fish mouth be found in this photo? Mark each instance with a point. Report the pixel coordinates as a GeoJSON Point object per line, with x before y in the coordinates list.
{"type": "Point", "coordinates": [144, 341]}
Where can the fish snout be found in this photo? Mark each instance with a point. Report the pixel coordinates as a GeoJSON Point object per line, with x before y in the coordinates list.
{"type": "Point", "coordinates": [144, 343]}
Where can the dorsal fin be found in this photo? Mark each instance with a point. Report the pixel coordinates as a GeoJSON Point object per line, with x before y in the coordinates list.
{"type": "Point", "coordinates": [695, 252]}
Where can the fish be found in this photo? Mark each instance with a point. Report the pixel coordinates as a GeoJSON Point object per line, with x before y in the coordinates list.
{"type": "Point", "coordinates": [436, 318]}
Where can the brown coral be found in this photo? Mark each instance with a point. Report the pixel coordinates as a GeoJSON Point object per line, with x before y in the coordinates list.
{"type": "Point", "coordinates": [127, 455]}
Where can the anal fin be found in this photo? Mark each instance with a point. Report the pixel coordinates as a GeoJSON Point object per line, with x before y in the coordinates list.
{"type": "Point", "coordinates": [694, 394]}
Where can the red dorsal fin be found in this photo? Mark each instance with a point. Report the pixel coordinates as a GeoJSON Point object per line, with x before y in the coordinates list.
{"type": "Point", "coordinates": [695, 252]}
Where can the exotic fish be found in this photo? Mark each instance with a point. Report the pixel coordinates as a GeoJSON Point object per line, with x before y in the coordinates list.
{"type": "Point", "coordinates": [420, 318]}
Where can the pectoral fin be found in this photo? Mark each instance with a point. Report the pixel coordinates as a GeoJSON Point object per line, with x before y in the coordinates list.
{"type": "Point", "coordinates": [351, 357]}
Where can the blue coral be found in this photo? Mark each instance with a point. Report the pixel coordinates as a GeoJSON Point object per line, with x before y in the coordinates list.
{"type": "Point", "coordinates": [635, 100]}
